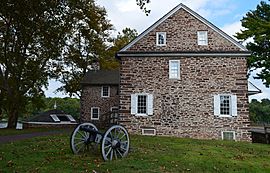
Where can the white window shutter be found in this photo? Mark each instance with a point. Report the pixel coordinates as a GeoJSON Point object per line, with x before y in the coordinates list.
{"type": "Point", "coordinates": [150, 104]}
{"type": "Point", "coordinates": [234, 105]}
{"type": "Point", "coordinates": [170, 66]}
{"type": "Point", "coordinates": [216, 105]}
{"type": "Point", "coordinates": [133, 104]}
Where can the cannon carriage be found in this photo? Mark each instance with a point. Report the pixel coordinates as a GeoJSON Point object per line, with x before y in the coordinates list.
{"type": "Point", "coordinates": [114, 143]}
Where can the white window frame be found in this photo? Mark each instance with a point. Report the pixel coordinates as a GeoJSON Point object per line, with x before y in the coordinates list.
{"type": "Point", "coordinates": [222, 134]}
{"type": "Point", "coordinates": [102, 94]}
{"type": "Point", "coordinates": [202, 38]}
{"type": "Point", "coordinates": [170, 69]}
{"type": "Point", "coordinates": [233, 105]}
{"type": "Point", "coordinates": [165, 38]}
{"type": "Point", "coordinates": [92, 108]}
{"type": "Point", "coordinates": [148, 134]}
{"type": "Point", "coordinates": [55, 118]}
{"type": "Point", "coordinates": [149, 104]}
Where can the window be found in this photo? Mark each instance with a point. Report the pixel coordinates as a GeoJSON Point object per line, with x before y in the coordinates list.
{"type": "Point", "coordinates": [55, 118]}
{"type": "Point", "coordinates": [148, 131]}
{"type": "Point", "coordinates": [228, 135]}
{"type": "Point", "coordinates": [105, 91]}
{"type": "Point", "coordinates": [225, 102]}
{"type": "Point", "coordinates": [142, 104]}
{"type": "Point", "coordinates": [161, 38]}
{"type": "Point", "coordinates": [174, 69]}
{"type": "Point", "coordinates": [62, 117]}
{"type": "Point", "coordinates": [94, 113]}
{"type": "Point", "coordinates": [225, 105]}
{"type": "Point", "coordinates": [202, 38]}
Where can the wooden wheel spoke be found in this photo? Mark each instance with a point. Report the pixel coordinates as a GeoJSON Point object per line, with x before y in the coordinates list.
{"type": "Point", "coordinates": [108, 152]}
{"type": "Point", "coordinates": [115, 154]}
{"type": "Point", "coordinates": [83, 146]}
{"type": "Point", "coordinates": [122, 136]}
{"type": "Point", "coordinates": [107, 146]}
{"type": "Point", "coordinates": [79, 143]}
{"type": "Point", "coordinates": [111, 157]}
{"type": "Point", "coordinates": [119, 153]}
{"type": "Point", "coordinates": [81, 134]}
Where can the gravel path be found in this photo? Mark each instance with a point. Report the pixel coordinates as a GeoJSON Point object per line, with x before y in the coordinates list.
{"type": "Point", "coordinates": [13, 138]}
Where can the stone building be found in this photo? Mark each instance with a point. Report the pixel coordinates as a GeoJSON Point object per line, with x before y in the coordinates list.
{"type": "Point", "coordinates": [100, 97]}
{"type": "Point", "coordinates": [182, 77]}
{"type": "Point", "coordinates": [185, 77]}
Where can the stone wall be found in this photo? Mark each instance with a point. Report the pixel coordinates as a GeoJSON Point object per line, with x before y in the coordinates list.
{"type": "Point", "coordinates": [91, 97]}
{"type": "Point", "coordinates": [181, 32]}
{"type": "Point", "coordinates": [184, 107]}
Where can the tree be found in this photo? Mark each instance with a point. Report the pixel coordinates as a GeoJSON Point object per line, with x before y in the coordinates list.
{"type": "Point", "coordinates": [259, 111]}
{"type": "Point", "coordinates": [80, 60]}
{"type": "Point", "coordinates": [142, 5]}
{"type": "Point", "coordinates": [31, 34]}
{"type": "Point", "coordinates": [122, 39]}
{"type": "Point", "coordinates": [257, 24]}
{"type": "Point", "coordinates": [86, 42]}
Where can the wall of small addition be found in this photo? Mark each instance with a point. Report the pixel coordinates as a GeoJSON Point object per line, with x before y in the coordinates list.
{"type": "Point", "coordinates": [91, 97]}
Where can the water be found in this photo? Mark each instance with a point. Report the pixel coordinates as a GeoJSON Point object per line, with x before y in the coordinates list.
{"type": "Point", "coordinates": [4, 125]}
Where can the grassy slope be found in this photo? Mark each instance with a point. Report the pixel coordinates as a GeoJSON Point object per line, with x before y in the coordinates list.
{"type": "Point", "coordinates": [148, 154]}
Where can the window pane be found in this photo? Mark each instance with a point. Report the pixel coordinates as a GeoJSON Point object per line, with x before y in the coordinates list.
{"type": "Point", "coordinates": [142, 104]}
{"type": "Point", "coordinates": [225, 105]}
{"type": "Point", "coordinates": [174, 69]}
{"type": "Point", "coordinates": [228, 135]}
{"type": "Point", "coordinates": [160, 39]}
{"type": "Point", "coordinates": [202, 37]}
{"type": "Point", "coordinates": [105, 91]}
{"type": "Point", "coordinates": [95, 112]}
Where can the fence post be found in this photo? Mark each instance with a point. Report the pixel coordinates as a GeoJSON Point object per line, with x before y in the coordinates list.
{"type": "Point", "coordinates": [266, 134]}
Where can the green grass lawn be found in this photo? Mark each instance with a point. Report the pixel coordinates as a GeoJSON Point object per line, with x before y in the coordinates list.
{"type": "Point", "coordinates": [148, 154]}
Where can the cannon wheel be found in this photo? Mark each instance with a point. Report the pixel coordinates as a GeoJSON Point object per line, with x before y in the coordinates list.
{"type": "Point", "coordinates": [115, 143]}
{"type": "Point", "coordinates": [79, 139]}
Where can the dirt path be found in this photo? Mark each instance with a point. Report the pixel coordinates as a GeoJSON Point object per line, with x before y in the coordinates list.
{"type": "Point", "coordinates": [13, 138]}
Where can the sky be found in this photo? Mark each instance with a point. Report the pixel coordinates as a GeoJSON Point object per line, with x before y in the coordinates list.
{"type": "Point", "coordinates": [225, 14]}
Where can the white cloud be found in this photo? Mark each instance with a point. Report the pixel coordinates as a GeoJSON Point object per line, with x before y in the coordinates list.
{"type": "Point", "coordinates": [232, 28]}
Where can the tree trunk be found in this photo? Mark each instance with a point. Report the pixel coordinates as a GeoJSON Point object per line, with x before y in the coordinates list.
{"type": "Point", "coordinates": [12, 119]}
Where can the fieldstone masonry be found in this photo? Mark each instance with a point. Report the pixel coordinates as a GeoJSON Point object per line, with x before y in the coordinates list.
{"type": "Point", "coordinates": [91, 97]}
{"type": "Point", "coordinates": [184, 107]}
{"type": "Point", "coordinates": [181, 32]}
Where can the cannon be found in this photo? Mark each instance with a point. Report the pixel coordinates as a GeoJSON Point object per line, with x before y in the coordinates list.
{"type": "Point", "coordinates": [114, 143]}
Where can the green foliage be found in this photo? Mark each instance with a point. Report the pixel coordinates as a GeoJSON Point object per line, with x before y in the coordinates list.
{"type": "Point", "coordinates": [259, 112]}
{"type": "Point", "coordinates": [257, 27]}
{"type": "Point", "coordinates": [31, 38]}
{"type": "Point", "coordinates": [147, 154]}
{"type": "Point", "coordinates": [80, 55]}
{"type": "Point", "coordinates": [68, 105]}
{"type": "Point", "coordinates": [122, 39]}
{"type": "Point", "coordinates": [86, 41]}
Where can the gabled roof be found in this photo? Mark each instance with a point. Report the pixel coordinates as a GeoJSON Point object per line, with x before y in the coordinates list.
{"type": "Point", "coordinates": [252, 89]}
{"type": "Point", "coordinates": [196, 15]}
{"type": "Point", "coordinates": [101, 77]}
